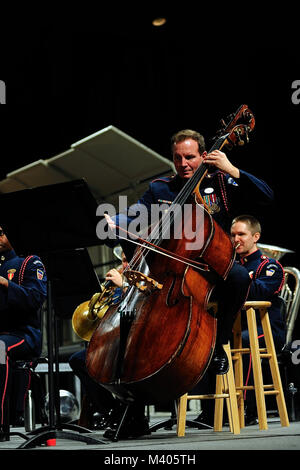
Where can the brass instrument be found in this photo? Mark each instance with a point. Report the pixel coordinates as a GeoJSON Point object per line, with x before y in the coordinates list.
{"type": "Point", "coordinates": [273, 251]}
{"type": "Point", "coordinates": [291, 294]}
{"type": "Point", "coordinates": [291, 288]}
{"type": "Point", "coordinates": [87, 315]}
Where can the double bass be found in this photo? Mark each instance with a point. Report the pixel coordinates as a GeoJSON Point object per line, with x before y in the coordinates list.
{"type": "Point", "coordinates": [157, 342]}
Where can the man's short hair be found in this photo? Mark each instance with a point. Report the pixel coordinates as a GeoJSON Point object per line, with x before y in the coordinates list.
{"type": "Point", "coordinates": [180, 136]}
{"type": "Point", "coordinates": [251, 221]}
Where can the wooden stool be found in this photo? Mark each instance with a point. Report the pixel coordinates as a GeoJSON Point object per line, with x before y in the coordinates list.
{"type": "Point", "coordinates": [225, 388]}
{"type": "Point", "coordinates": [257, 354]}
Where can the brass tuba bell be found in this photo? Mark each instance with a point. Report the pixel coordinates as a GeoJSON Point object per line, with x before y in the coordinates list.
{"type": "Point", "coordinates": [273, 251]}
{"type": "Point", "coordinates": [87, 316]}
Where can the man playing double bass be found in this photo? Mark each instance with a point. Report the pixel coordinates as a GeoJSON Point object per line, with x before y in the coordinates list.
{"type": "Point", "coordinates": [226, 191]}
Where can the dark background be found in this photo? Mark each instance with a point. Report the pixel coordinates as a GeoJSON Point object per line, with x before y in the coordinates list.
{"type": "Point", "coordinates": [71, 74]}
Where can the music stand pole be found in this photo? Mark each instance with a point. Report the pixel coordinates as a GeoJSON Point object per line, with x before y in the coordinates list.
{"type": "Point", "coordinates": [50, 357]}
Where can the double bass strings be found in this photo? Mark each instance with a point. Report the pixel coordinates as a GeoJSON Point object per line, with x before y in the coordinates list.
{"type": "Point", "coordinates": [162, 228]}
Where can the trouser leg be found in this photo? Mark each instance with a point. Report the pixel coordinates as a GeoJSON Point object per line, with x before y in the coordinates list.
{"type": "Point", "coordinates": [101, 398]}
{"type": "Point", "coordinates": [11, 348]}
{"type": "Point", "coordinates": [231, 295]}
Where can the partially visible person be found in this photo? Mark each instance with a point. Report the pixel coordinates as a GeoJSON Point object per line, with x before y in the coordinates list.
{"type": "Point", "coordinates": [267, 277]}
{"type": "Point", "coordinates": [267, 274]}
{"type": "Point", "coordinates": [23, 290]}
{"type": "Point", "coordinates": [101, 407]}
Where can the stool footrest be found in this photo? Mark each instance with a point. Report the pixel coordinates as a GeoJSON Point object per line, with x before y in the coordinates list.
{"type": "Point", "coordinates": [210, 396]}
{"type": "Point", "coordinates": [247, 350]}
{"type": "Point", "coordinates": [252, 387]}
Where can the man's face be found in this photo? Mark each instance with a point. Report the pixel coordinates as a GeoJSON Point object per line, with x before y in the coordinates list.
{"type": "Point", "coordinates": [4, 243]}
{"type": "Point", "coordinates": [242, 236]}
{"type": "Point", "coordinates": [187, 158]}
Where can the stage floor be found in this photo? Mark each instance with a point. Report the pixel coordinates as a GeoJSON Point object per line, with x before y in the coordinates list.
{"type": "Point", "coordinates": [169, 446]}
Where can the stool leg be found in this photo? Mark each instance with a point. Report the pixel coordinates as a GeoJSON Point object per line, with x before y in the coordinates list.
{"type": "Point", "coordinates": [257, 370]}
{"type": "Point", "coordinates": [219, 404]}
{"type": "Point", "coordinates": [222, 387]}
{"type": "Point", "coordinates": [238, 369]}
{"type": "Point", "coordinates": [282, 410]}
{"type": "Point", "coordinates": [181, 415]}
{"type": "Point", "coordinates": [232, 407]}
{"type": "Point", "coordinates": [225, 384]}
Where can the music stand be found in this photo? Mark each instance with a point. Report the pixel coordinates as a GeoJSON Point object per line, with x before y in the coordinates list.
{"type": "Point", "coordinates": [48, 221]}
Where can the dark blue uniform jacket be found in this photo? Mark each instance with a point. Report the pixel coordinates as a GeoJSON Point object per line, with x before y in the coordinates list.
{"type": "Point", "coordinates": [20, 304]}
{"type": "Point", "coordinates": [229, 197]}
{"type": "Point", "coordinates": [267, 276]}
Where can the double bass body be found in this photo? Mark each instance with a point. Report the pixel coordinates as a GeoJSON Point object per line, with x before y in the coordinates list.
{"type": "Point", "coordinates": [156, 347]}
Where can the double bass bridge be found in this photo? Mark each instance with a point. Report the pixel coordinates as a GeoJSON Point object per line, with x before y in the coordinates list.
{"type": "Point", "coordinates": [143, 283]}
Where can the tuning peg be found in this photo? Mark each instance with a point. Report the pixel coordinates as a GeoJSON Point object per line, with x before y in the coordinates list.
{"type": "Point", "coordinates": [238, 134]}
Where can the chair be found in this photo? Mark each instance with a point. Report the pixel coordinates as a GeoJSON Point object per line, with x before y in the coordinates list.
{"type": "Point", "coordinates": [225, 389]}
{"type": "Point", "coordinates": [29, 366]}
{"type": "Point", "coordinates": [257, 354]}
{"type": "Point", "coordinates": [35, 397]}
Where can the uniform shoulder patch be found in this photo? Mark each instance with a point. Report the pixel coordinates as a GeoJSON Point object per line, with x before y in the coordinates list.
{"type": "Point", "coordinates": [40, 274]}
{"type": "Point", "coordinates": [271, 268]}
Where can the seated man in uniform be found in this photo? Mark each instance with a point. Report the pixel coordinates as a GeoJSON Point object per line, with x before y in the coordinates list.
{"type": "Point", "coordinates": [226, 190]}
{"type": "Point", "coordinates": [23, 289]}
{"type": "Point", "coordinates": [267, 277]}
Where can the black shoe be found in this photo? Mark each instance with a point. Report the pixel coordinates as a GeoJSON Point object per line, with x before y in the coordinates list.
{"type": "Point", "coordinates": [132, 428]}
{"type": "Point", "coordinates": [4, 433]}
{"type": "Point", "coordinates": [250, 418]}
{"type": "Point", "coordinates": [219, 363]}
{"type": "Point", "coordinates": [204, 420]}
